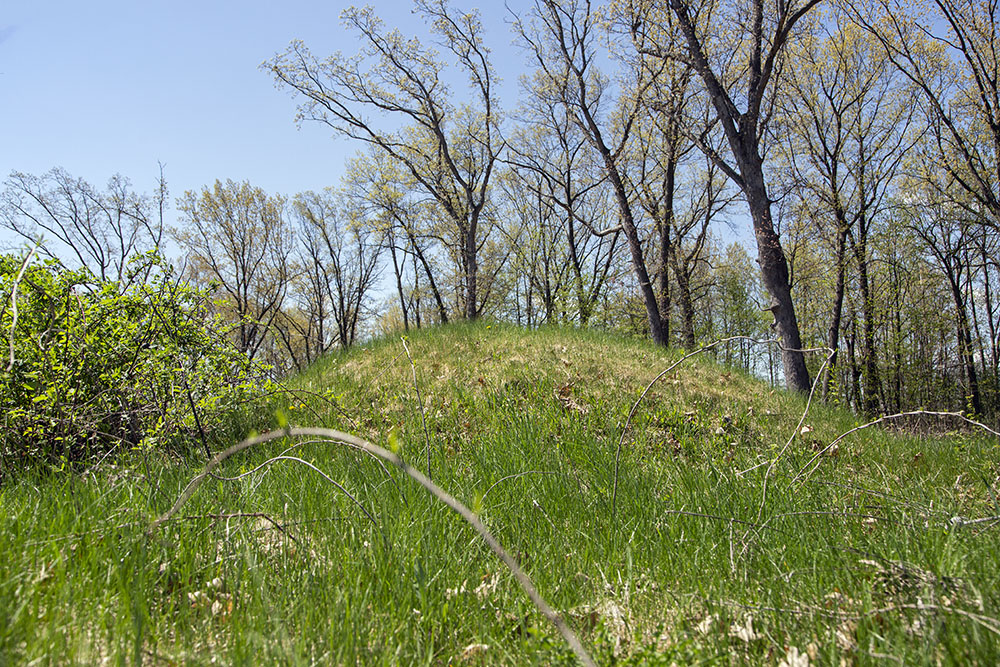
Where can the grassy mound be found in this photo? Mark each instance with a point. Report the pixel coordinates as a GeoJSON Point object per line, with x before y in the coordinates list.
{"type": "Point", "coordinates": [721, 546]}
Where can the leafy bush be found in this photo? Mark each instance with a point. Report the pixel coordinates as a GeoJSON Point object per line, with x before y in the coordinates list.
{"type": "Point", "coordinates": [92, 367]}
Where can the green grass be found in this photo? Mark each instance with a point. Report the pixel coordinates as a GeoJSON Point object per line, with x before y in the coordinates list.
{"type": "Point", "coordinates": [860, 562]}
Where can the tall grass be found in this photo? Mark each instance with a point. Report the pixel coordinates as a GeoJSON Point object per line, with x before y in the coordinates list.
{"type": "Point", "coordinates": [875, 557]}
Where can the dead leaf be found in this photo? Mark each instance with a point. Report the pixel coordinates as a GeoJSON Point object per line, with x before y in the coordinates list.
{"type": "Point", "coordinates": [845, 635]}
{"type": "Point", "coordinates": [706, 624]}
{"type": "Point", "coordinates": [744, 631]}
{"type": "Point", "coordinates": [487, 586]}
{"type": "Point", "coordinates": [564, 394]}
{"type": "Point", "coordinates": [793, 658]}
{"type": "Point", "coordinates": [474, 651]}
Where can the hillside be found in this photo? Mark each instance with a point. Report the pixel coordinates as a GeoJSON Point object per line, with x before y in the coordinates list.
{"type": "Point", "coordinates": [721, 545]}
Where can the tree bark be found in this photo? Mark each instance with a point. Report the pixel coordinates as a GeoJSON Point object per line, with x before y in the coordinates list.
{"type": "Point", "coordinates": [965, 347]}
{"type": "Point", "coordinates": [774, 271]}
{"type": "Point", "coordinates": [872, 385]}
{"type": "Point", "coordinates": [635, 249]}
{"type": "Point", "coordinates": [471, 262]}
{"type": "Point", "coordinates": [667, 249]}
{"type": "Point", "coordinates": [683, 275]}
{"type": "Point", "coordinates": [833, 337]}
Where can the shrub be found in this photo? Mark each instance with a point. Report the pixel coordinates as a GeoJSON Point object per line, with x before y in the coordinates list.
{"type": "Point", "coordinates": [93, 367]}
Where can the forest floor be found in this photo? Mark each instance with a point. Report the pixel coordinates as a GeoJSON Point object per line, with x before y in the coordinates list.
{"type": "Point", "coordinates": [735, 527]}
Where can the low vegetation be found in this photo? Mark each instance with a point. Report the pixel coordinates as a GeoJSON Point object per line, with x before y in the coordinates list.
{"type": "Point", "coordinates": [96, 366]}
{"type": "Point", "coordinates": [723, 546]}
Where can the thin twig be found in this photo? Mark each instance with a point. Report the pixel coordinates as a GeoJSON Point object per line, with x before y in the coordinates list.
{"type": "Point", "coordinates": [282, 388]}
{"type": "Point", "coordinates": [988, 622]}
{"type": "Point", "coordinates": [463, 511]}
{"type": "Point", "coordinates": [959, 521]}
{"type": "Point", "coordinates": [804, 474]}
{"type": "Point", "coordinates": [197, 421]}
{"type": "Point", "coordinates": [520, 474]}
{"type": "Point", "coordinates": [420, 401]}
{"type": "Point", "coordinates": [798, 427]}
{"type": "Point", "coordinates": [186, 517]}
{"type": "Point", "coordinates": [336, 484]}
{"type": "Point", "coordinates": [236, 478]}
{"type": "Point", "coordinates": [635, 406]}
{"type": "Point", "coordinates": [240, 515]}
{"type": "Point", "coordinates": [303, 443]}
{"type": "Point", "coordinates": [718, 517]}
{"type": "Point", "coordinates": [882, 494]}
{"type": "Point", "coordinates": [13, 303]}
{"type": "Point", "coordinates": [386, 369]}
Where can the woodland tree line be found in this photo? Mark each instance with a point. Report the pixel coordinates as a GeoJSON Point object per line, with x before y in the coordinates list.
{"type": "Point", "coordinates": [862, 141]}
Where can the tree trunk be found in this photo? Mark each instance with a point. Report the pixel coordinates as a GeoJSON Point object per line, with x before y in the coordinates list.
{"type": "Point", "coordinates": [774, 270]}
{"type": "Point", "coordinates": [965, 347]}
{"type": "Point", "coordinates": [471, 262]}
{"type": "Point", "coordinates": [872, 385]}
{"type": "Point", "coordinates": [628, 226]}
{"type": "Point", "coordinates": [635, 249]}
{"type": "Point", "coordinates": [416, 291]}
{"type": "Point", "coordinates": [583, 305]}
{"type": "Point", "coordinates": [838, 309]}
{"type": "Point", "coordinates": [683, 275]}
{"type": "Point", "coordinates": [442, 309]}
{"type": "Point", "coordinates": [667, 249]}
{"type": "Point", "coordinates": [855, 370]}
{"type": "Point", "coordinates": [399, 283]}
{"type": "Point", "coordinates": [992, 328]}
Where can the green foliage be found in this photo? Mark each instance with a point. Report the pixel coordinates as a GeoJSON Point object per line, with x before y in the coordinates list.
{"type": "Point", "coordinates": [92, 367]}
{"type": "Point", "coordinates": [706, 563]}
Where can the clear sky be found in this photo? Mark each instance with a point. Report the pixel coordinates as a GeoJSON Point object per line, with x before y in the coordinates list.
{"type": "Point", "coordinates": [114, 86]}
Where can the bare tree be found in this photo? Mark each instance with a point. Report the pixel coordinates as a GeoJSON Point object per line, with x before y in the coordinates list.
{"type": "Point", "coordinates": [347, 255]}
{"type": "Point", "coordinates": [448, 149]}
{"type": "Point", "coordinates": [563, 40]}
{"type": "Point", "coordinates": [237, 238]}
{"type": "Point", "coordinates": [101, 230]}
{"type": "Point", "coordinates": [848, 121]}
{"type": "Point", "coordinates": [381, 193]}
{"type": "Point", "coordinates": [552, 168]}
{"type": "Point", "coordinates": [737, 50]}
{"type": "Point", "coordinates": [951, 54]}
{"type": "Point", "coordinates": [944, 228]}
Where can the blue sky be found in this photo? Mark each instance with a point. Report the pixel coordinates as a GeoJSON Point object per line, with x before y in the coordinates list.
{"type": "Point", "coordinates": [106, 87]}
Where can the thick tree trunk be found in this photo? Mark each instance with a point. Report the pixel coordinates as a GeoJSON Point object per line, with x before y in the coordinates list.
{"type": "Point", "coordinates": [638, 260]}
{"type": "Point", "coordinates": [667, 248]}
{"type": "Point", "coordinates": [774, 271]}
{"type": "Point", "coordinates": [684, 299]}
{"type": "Point", "coordinates": [743, 131]}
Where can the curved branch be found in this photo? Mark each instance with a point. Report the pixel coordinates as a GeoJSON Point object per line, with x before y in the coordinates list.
{"type": "Point", "coordinates": [439, 493]}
